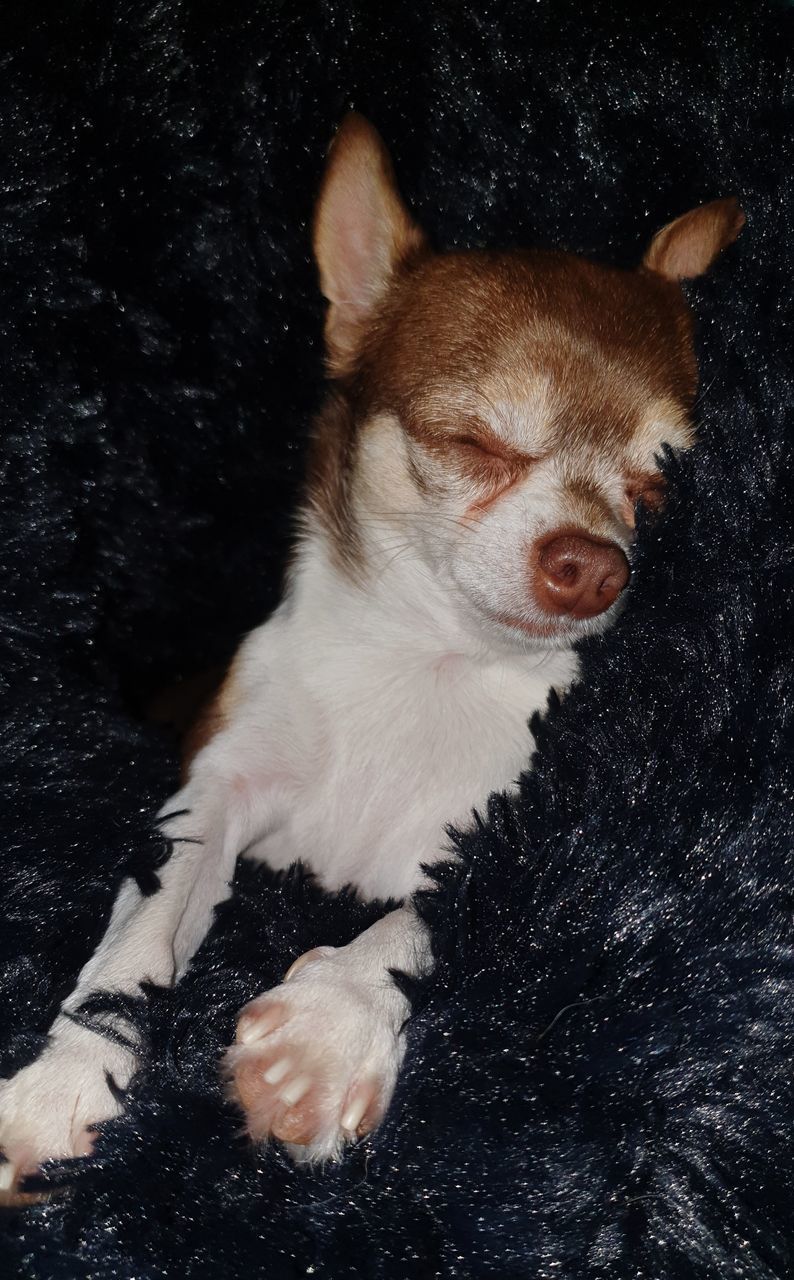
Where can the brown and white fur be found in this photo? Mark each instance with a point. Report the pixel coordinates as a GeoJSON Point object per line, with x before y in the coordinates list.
{"type": "Point", "coordinates": [491, 421]}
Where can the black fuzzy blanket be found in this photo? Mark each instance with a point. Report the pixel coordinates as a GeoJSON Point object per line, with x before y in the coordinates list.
{"type": "Point", "coordinates": [599, 1081]}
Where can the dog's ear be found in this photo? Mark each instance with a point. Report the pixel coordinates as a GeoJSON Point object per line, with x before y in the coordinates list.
{"type": "Point", "coordinates": [362, 234]}
{"type": "Point", "coordinates": [688, 246]}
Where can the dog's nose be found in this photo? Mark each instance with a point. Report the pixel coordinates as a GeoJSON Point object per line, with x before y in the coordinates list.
{"type": "Point", "coordinates": [578, 575]}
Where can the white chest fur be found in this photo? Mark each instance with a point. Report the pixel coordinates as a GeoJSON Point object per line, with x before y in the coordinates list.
{"type": "Point", "coordinates": [375, 730]}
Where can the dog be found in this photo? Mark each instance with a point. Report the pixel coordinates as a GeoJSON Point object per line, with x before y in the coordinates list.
{"type": "Point", "coordinates": [491, 422]}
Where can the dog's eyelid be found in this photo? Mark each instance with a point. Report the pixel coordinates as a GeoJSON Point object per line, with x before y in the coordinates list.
{"type": "Point", "coordinates": [466, 440]}
{"type": "Point", "coordinates": [649, 487]}
{"type": "Point", "coordinates": [638, 481]}
{"type": "Point", "coordinates": [493, 449]}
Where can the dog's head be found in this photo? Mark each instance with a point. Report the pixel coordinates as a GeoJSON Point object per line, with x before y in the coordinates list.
{"type": "Point", "coordinates": [498, 413]}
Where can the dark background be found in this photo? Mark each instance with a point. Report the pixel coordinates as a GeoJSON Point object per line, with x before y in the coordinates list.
{"type": "Point", "coordinates": [599, 1078]}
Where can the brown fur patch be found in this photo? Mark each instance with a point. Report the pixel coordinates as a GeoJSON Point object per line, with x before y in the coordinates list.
{"type": "Point", "coordinates": [649, 487]}
{"type": "Point", "coordinates": [609, 341]}
{"type": "Point", "coordinates": [178, 704]}
{"type": "Point", "coordinates": [212, 717]}
{"type": "Point", "coordinates": [330, 476]}
{"type": "Point", "coordinates": [209, 722]}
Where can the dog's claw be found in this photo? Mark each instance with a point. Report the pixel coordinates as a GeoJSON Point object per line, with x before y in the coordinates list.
{"type": "Point", "coordinates": [277, 1072]}
{"type": "Point", "coordinates": [255, 1025]}
{"type": "Point", "coordinates": [357, 1106]}
{"type": "Point", "coordinates": [295, 1090]}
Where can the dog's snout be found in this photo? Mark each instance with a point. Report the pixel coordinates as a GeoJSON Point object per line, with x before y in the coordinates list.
{"type": "Point", "coordinates": [577, 574]}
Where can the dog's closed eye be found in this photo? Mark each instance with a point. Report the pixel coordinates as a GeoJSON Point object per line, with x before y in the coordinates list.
{"type": "Point", "coordinates": [490, 447]}
{"type": "Point", "coordinates": [490, 464]}
{"type": "Point", "coordinates": [469, 442]}
{"type": "Point", "coordinates": [649, 488]}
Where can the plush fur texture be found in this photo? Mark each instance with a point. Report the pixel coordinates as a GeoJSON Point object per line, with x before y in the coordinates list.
{"type": "Point", "coordinates": [599, 1076]}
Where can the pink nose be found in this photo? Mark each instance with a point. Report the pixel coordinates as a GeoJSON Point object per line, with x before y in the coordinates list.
{"type": "Point", "coordinates": [578, 575]}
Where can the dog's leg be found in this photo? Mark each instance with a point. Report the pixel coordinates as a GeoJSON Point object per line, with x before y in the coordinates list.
{"type": "Point", "coordinates": [47, 1109]}
{"type": "Point", "coordinates": [317, 1058]}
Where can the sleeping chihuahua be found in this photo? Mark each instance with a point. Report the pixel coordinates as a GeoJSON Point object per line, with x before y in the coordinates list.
{"type": "Point", "coordinates": [492, 420]}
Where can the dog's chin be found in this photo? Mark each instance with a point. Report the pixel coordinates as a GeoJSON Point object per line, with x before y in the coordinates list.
{"type": "Point", "coordinates": [515, 632]}
{"type": "Point", "coordinates": [523, 633]}
{"type": "Point", "coordinates": [527, 634]}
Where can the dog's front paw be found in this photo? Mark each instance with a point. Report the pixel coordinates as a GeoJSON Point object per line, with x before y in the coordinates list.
{"type": "Point", "coordinates": [317, 1058]}
{"type": "Point", "coordinates": [49, 1108]}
